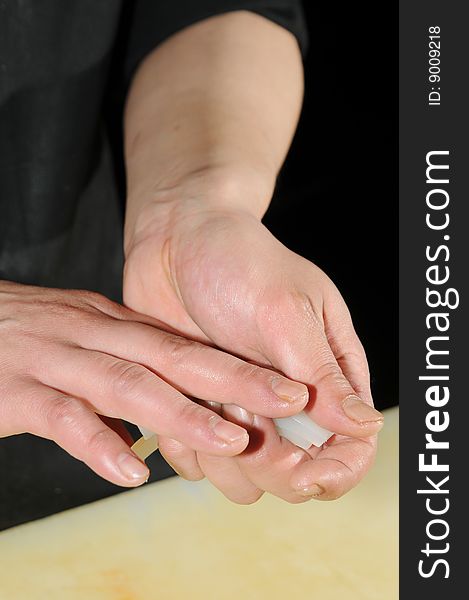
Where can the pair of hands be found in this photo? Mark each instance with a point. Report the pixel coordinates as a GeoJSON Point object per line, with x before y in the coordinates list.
{"type": "Point", "coordinates": [74, 363]}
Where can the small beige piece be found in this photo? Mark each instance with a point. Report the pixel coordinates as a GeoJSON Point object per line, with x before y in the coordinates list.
{"type": "Point", "coordinates": [143, 447]}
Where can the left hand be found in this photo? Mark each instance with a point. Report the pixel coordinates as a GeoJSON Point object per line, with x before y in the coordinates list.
{"type": "Point", "coordinates": [216, 274]}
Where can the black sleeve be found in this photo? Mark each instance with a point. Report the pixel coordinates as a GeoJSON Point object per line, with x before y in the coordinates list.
{"type": "Point", "coordinates": [153, 21]}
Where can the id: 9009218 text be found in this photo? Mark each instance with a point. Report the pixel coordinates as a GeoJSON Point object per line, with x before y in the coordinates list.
{"type": "Point", "coordinates": [434, 78]}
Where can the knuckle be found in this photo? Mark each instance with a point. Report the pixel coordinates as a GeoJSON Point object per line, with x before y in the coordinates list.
{"type": "Point", "coordinates": [63, 412]}
{"type": "Point", "coordinates": [329, 372]}
{"type": "Point", "coordinates": [176, 348]}
{"type": "Point", "coordinates": [58, 306]}
{"type": "Point", "coordinates": [93, 298]}
{"type": "Point", "coordinates": [302, 304]}
{"type": "Point", "coordinates": [174, 449]}
{"type": "Point", "coordinates": [246, 371]}
{"type": "Point", "coordinates": [98, 439]}
{"type": "Point", "coordinates": [127, 378]}
{"type": "Point", "coordinates": [99, 303]}
{"type": "Point", "coordinates": [354, 357]}
{"type": "Point", "coordinates": [181, 459]}
{"type": "Point", "coordinates": [192, 414]}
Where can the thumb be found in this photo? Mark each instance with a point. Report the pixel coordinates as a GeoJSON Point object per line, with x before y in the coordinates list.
{"type": "Point", "coordinates": [303, 352]}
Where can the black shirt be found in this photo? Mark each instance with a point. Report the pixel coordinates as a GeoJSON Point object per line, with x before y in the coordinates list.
{"type": "Point", "coordinates": [64, 70]}
{"type": "Point", "coordinates": [65, 67]}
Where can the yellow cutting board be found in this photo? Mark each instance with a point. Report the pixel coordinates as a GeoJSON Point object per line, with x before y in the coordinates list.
{"type": "Point", "coordinates": [183, 540]}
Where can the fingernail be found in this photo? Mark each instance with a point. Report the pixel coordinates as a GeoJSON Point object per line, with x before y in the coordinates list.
{"type": "Point", "coordinates": [131, 468]}
{"type": "Point", "coordinates": [290, 391]}
{"type": "Point", "coordinates": [227, 432]}
{"type": "Point", "coordinates": [359, 411]}
{"type": "Point", "coordinates": [312, 490]}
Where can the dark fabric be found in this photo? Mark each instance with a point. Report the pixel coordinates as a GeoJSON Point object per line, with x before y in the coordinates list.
{"type": "Point", "coordinates": [64, 67]}
{"type": "Point", "coordinates": [171, 17]}
{"type": "Point", "coordinates": [60, 212]}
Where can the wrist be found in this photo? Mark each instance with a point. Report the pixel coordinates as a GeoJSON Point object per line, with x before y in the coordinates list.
{"type": "Point", "coordinates": [156, 210]}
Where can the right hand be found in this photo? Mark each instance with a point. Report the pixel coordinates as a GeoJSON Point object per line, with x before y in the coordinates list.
{"type": "Point", "coordinates": [226, 280]}
{"type": "Point", "coordinates": [68, 357]}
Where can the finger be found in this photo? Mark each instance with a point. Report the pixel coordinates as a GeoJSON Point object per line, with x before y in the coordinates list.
{"type": "Point", "coordinates": [337, 468]}
{"type": "Point", "coordinates": [225, 474]}
{"type": "Point", "coordinates": [181, 458]}
{"type": "Point", "coordinates": [222, 472]}
{"type": "Point", "coordinates": [269, 459]}
{"type": "Point", "coordinates": [72, 425]}
{"type": "Point", "coordinates": [118, 426]}
{"type": "Point", "coordinates": [304, 354]}
{"type": "Point", "coordinates": [201, 371]}
{"type": "Point", "coordinates": [119, 388]}
{"type": "Point", "coordinates": [347, 347]}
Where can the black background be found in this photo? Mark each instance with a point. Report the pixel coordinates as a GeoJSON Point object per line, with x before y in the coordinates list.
{"type": "Point", "coordinates": [336, 204]}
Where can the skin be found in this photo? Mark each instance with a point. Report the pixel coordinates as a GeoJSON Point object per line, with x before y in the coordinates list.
{"type": "Point", "coordinates": [73, 363]}
{"type": "Point", "coordinates": [209, 119]}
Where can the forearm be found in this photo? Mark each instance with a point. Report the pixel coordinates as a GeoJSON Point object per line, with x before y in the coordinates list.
{"type": "Point", "coordinates": [213, 108]}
